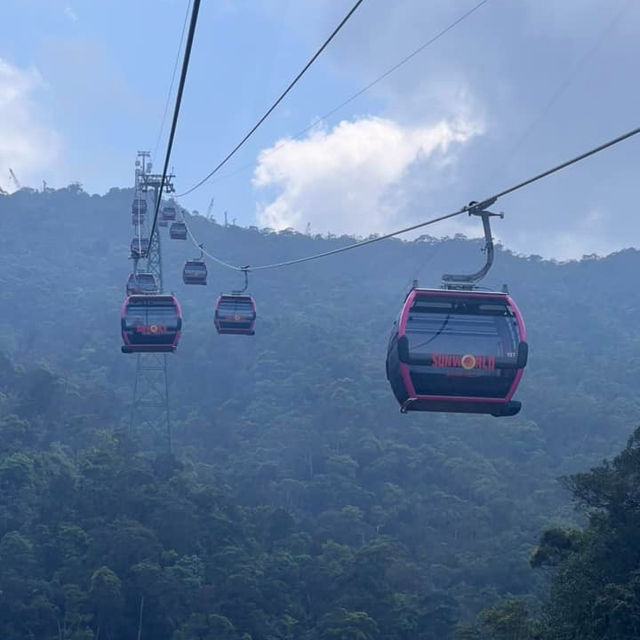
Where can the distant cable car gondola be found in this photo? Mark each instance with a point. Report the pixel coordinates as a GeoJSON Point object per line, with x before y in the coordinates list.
{"type": "Point", "coordinates": [178, 231]}
{"type": "Point", "coordinates": [168, 213]}
{"type": "Point", "coordinates": [150, 323]}
{"type": "Point", "coordinates": [141, 283]}
{"type": "Point", "coordinates": [139, 206]}
{"type": "Point", "coordinates": [137, 218]}
{"type": "Point", "coordinates": [162, 223]}
{"type": "Point", "coordinates": [235, 313]}
{"type": "Point", "coordinates": [458, 349]}
{"type": "Point", "coordinates": [139, 247]}
{"type": "Point", "coordinates": [194, 272]}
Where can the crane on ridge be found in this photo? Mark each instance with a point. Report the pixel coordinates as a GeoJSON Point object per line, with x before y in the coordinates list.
{"type": "Point", "coordinates": [15, 179]}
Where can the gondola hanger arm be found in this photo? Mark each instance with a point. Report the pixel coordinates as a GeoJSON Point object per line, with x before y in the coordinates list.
{"type": "Point", "coordinates": [467, 281]}
{"type": "Point", "coordinates": [245, 270]}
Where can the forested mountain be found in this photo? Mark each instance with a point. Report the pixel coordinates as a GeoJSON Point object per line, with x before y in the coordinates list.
{"type": "Point", "coordinates": [298, 503]}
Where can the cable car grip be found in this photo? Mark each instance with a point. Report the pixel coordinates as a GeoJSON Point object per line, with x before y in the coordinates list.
{"type": "Point", "coordinates": [468, 281]}
{"type": "Point", "coordinates": [245, 271]}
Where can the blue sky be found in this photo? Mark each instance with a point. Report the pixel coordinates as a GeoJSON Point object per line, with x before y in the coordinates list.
{"type": "Point", "coordinates": [518, 86]}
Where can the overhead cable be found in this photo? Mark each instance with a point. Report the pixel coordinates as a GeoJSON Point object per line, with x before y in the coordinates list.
{"type": "Point", "coordinates": [222, 263]}
{"type": "Point", "coordinates": [173, 78]}
{"type": "Point", "coordinates": [486, 202]}
{"type": "Point", "coordinates": [366, 88]}
{"type": "Point", "coordinates": [253, 129]}
{"type": "Point", "coordinates": [176, 110]}
{"type": "Point", "coordinates": [568, 163]}
{"type": "Point", "coordinates": [565, 84]}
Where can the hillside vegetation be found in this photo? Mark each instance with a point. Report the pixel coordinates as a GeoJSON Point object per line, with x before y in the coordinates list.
{"type": "Point", "coordinates": [298, 503]}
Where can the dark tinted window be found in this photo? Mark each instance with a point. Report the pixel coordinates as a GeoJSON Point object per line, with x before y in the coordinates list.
{"type": "Point", "coordinates": [463, 326]}
{"type": "Point", "coordinates": [465, 338]}
{"type": "Point", "coordinates": [230, 306]}
{"type": "Point", "coordinates": [195, 268]}
{"type": "Point", "coordinates": [146, 282]}
{"type": "Point", "coordinates": [146, 312]}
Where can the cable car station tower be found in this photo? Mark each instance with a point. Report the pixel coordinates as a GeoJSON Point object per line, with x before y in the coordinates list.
{"type": "Point", "coordinates": [150, 419]}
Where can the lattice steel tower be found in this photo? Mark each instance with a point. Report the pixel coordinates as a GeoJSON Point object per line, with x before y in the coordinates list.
{"type": "Point", "coordinates": [150, 418]}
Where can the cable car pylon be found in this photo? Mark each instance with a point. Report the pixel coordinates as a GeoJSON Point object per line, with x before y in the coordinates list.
{"type": "Point", "coordinates": [150, 418]}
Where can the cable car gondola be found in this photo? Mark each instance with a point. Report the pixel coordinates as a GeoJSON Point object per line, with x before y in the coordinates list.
{"type": "Point", "coordinates": [458, 349]}
{"type": "Point", "coordinates": [150, 323]}
{"type": "Point", "coordinates": [168, 213]}
{"type": "Point", "coordinates": [194, 272]}
{"type": "Point", "coordinates": [178, 231]}
{"type": "Point", "coordinates": [235, 314]}
{"type": "Point", "coordinates": [139, 247]}
{"type": "Point", "coordinates": [137, 218]}
{"type": "Point", "coordinates": [141, 283]}
{"type": "Point", "coordinates": [139, 206]}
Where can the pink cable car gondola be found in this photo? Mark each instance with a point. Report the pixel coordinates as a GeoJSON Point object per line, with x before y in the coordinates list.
{"type": "Point", "coordinates": [150, 323]}
{"type": "Point", "coordinates": [139, 247]}
{"type": "Point", "coordinates": [141, 282]}
{"type": "Point", "coordinates": [178, 231]}
{"type": "Point", "coordinates": [137, 218]}
{"type": "Point", "coordinates": [168, 213]}
{"type": "Point", "coordinates": [458, 349]}
{"type": "Point", "coordinates": [235, 312]}
{"type": "Point", "coordinates": [138, 206]}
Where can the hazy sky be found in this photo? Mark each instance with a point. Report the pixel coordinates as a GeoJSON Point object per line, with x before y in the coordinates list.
{"type": "Point", "coordinates": [519, 86]}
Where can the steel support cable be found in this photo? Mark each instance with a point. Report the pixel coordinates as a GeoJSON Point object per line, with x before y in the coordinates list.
{"type": "Point", "coordinates": [138, 229]}
{"type": "Point", "coordinates": [315, 256]}
{"type": "Point", "coordinates": [269, 111]}
{"type": "Point", "coordinates": [176, 110]}
{"type": "Point", "coordinates": [222, 263]}
{"type": "Point", "coordinates": [173, 78]}
{"type": "Point", "coordinates": [486, 202]}
{"type": "Point", "coordinates": [366, 88]}
{"type": "Point", "coordinates": [564, 85]}
{"type": "Point", "coordinates": [564, 165]}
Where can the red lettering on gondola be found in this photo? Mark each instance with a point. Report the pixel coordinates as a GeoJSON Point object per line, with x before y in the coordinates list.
{"type": "Point", "coordinates": [151, 329]}
{"type": "Point", "coordinates": [468, 361]}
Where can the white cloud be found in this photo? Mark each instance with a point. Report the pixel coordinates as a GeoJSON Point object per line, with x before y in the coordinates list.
{"type": "Point", "coordinates": [355, 178]}
{"type": "Point", "coordinates": [26, 144]}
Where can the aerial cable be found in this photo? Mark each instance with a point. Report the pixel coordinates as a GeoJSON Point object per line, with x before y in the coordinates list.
{"type": "Point", "coordinates": [315, 56]}
{"type": "Point", "coordinates": [394, 68]}
{"type": "Point", "coordinates": [566, 83]}
{"type": "Point", "coordinates": [173, 78]}
{"type": "Point", "coordinates": [200, 246]}
{"type": "Point", "coordinates": [366, 88]}
{"type": "Point", "coordinates": [315, 256]}
{"type": "Point", "coordinates": [561, 166]}
{"type": "Point", "coordinates": [138, 229]}
{"type": "Point", "coordinates": [475, 206]}
{"type": "Point", "coordinates": [357, 245]}
{"type": "Point", "coordinates": [176, 110]}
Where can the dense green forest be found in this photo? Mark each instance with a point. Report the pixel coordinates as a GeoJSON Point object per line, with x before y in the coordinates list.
{"type": "Point", "coordinates": [298, 502]}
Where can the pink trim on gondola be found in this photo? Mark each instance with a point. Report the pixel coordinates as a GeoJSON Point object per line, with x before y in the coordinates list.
{"type": "Point", "coordinates": [404, 368]}
{"type": "Point", "coordinates": [138, 347]}
{"type": "Point", "coordinates": [216, 321]}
